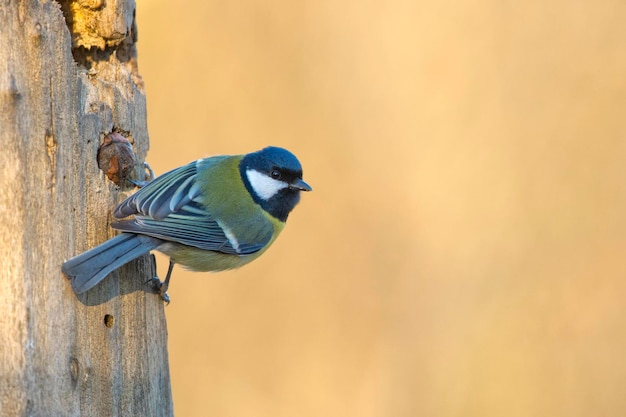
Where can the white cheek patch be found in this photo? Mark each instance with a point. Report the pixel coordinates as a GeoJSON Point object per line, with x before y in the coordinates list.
{"type": "Point", "coordinates": [264, 186]}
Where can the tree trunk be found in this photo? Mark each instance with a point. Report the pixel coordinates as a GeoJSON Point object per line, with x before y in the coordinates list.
{"type": "Point", "coordinates": [68, 77]}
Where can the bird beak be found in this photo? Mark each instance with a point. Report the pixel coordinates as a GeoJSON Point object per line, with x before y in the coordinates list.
{"type": "Point", "coordinates": [300, 185]}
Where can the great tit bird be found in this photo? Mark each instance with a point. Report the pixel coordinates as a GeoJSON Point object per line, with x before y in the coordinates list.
{"type": "Point", "coordinates": [213, 214]}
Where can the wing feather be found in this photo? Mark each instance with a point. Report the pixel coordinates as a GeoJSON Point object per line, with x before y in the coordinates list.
{"type": "Point", "coordinates": [163, 195]}
{"type": "Point", "coordinates": [171, 208]}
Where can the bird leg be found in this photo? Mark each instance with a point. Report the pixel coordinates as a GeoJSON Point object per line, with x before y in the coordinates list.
{"type": "Point", "coordinates": [161, 287]}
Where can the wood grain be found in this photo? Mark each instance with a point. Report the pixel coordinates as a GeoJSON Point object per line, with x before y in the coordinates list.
{"type": "Point", "coordinates": [61, 91]}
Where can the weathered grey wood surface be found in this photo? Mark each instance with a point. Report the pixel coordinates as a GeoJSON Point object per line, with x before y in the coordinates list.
{"type": "Point", "coordinates": [68, 76]}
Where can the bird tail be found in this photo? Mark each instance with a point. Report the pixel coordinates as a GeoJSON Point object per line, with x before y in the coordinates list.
{"type": "Point", "coordinates": [91, 267]}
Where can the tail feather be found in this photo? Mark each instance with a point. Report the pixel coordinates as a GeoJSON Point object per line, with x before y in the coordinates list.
{"type": "Point", "coordinates": [91, 267]}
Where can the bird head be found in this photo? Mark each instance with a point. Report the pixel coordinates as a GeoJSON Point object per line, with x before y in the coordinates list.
{"type": "Point", "coordinates": [273, 177]}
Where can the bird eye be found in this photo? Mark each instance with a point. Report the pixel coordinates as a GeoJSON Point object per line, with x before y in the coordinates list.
{"type": "Point", "coordinates": [275, 174]}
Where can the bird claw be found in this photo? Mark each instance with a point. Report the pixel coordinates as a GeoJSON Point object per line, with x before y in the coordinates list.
{"type": "Point", "coordinates": [139, 184]}
{"type": "Point", "coordinates": [160, 288]}
{"type": "Point", "coordinates": [149, 174]}
{"type": "Point", "coordinates": [165, 297]}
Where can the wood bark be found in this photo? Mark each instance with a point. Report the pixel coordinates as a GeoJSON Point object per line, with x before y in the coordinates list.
{"type": "Point", "coordinates": [68, 77]}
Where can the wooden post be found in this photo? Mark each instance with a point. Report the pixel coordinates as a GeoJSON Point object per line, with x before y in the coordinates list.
{"type": "Point", "coordinates": [68, 77]}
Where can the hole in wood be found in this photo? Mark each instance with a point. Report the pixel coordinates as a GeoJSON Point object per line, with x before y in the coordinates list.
{"type": "Point", "coordinates": [109, 320]}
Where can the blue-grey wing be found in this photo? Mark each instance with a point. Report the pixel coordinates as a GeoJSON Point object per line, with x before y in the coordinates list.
{"type": "Point", "coordinates": [165, 194]}
{"type": "Point", "coordinates": [170, 208]}
{"type": "Point", "coordinates": [193, 226]}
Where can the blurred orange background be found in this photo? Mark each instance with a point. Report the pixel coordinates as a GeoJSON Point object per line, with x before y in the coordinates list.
{"type": "Point", "coordinates": [462, 253]}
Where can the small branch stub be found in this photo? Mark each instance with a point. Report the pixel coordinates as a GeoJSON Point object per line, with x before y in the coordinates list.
{"type": "Point", "coordinates": [116, 157]}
